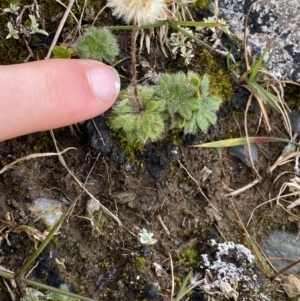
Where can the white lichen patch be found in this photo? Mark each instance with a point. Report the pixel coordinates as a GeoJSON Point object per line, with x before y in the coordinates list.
{"type": "Point", "coordinates": [229, 272]}
{"type": "Point", "coordinates": [269, 19]}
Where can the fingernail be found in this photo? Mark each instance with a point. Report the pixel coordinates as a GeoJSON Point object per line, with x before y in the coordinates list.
{"type": "Point", "coordinates": [105, 82]}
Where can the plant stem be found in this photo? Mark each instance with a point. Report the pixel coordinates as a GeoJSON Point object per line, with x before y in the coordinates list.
{"type": "Point", "coordinates": [133, 66]}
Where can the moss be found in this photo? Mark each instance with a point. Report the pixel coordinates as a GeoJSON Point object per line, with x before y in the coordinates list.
{"type": "Point", "coordinates": [189, 258]}
{"type": "Point", "coordinates": [292, 96]}
{"type": "Point", "coordinates": [201, 4]}
{"type": "Point", "coordinates": [206, 61]}
{"type": "Point", "coordinates": [14, 51]}
{"type": "Point", "coordinates": [104, 264]}
{"type": "Point", "coordinates": [39, 141]}
{"type": "Point", "coordinates": [139, 262]}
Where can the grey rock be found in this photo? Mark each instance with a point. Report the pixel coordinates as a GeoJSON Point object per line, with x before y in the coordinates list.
{"type": "Point", "coordinates": [242, 152]}
{"type": "Point", "coordinates": [282, 248]}
{"type": "Point", "coordinates": [127, 166]}
{"type": "Point", "coordinates": [150, 292]}
{"type": "Point", "coordinates": [98, 135]}
{"type": "Point", "coordinates": [278, 19]}
{"type": "Point", "coordinates": [295, 122]}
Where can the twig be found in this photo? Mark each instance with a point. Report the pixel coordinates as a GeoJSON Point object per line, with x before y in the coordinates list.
{"type": "Point", "coordinates": [163, 224]}
{"type": "Point", "coordinates": [289, 267]}
{"type": "Point", "coordinates": [172, 274]}
{"type": "Point", "coordinates": [133, 66]}
{"type": "Point", "coordinates": [240, 190]}
{"type": "Point", "coordinates": [59, 29]}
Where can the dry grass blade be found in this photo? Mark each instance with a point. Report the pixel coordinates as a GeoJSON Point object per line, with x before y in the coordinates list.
{"type": "Point", "coordinates": [60, 27]}
{"type": "Point", "coordinates": [244, 188]}
{"type": "Point", "coordinates": [99, 13]}
{"type": "Point", "coordinates": [173, 279]}
{"type": "Point", "coordinates": [263, 109]}
{"type": "Point", "coordinates": [64, 164]}
{"type": "Point", "coordinates": [243, 141]}
{"type": "Point", "coordinates": [32, 156]}
{"type": "Point", "coordinates": [259, 256]}
{"type": "Point", "coordinates": [293, 185]}
{"type": "Point", "coordinates": [284, 160]}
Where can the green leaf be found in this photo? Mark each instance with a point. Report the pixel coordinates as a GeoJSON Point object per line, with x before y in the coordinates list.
{"type": "Point", "coordinates": [254, 70]}
{"type": "Point", "coordinates": [34, 26]}
{"type": "Point", "coordinates": [190, 126]}
{"type": "Point", "coordinates": [205, 82]}
{"type": "Point", "coordinates": [194, 79]}
{"type": "Point", "coordinates": [151, 105]}
{"type": "Point", "coordinates": [202, 123]}
{"type": "Point", "coordinates": [61, 52]}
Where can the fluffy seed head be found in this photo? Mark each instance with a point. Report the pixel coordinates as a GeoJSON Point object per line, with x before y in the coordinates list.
{"type": "Point", "coordinates": [138, 11]}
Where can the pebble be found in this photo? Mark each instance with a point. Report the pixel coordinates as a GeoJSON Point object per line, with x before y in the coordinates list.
{"type": "Point", "coordinates": [242, 152]}
{"type": "Point", "coordinates": [48, 210]}
{"type": "Point", "coordinates": [280, 245]}
{"type": "Point", "coordinates": [295, 122]}
{"type": "Point", "coordinates": [150, 292]}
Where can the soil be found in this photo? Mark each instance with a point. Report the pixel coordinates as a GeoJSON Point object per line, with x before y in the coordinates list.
{"type": "Point", "coordinates": [106, 261]}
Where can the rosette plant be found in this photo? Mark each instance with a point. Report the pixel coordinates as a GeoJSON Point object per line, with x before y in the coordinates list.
{"type": "Point", "coordinates": [139, 124]}
{"type": "Point", "coordinates": [178, 100]}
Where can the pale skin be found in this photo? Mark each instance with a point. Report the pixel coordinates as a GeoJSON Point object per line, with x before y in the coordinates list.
{"type": "Point", "coordinates": [53, 93]}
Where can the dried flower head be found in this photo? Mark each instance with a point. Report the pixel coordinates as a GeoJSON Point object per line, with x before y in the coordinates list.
{"type": "Point", "coordinates": [138, 11]}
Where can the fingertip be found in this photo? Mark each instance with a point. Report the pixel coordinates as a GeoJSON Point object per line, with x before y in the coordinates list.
{"type": "Point", "coordinates": [104, 82]}
{"type": "Point", "coordinates": [49, 94]}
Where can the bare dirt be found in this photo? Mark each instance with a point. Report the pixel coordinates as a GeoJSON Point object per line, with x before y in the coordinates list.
{"type": "Point", "coordinates": [111, 264]}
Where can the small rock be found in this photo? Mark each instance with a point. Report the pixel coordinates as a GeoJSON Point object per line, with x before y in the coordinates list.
{"type": "Point", "coordinates": [242, 152]}
{"type": "Point", "coordinates": [157, 172]}
{"type": "Point", "coordinates": [123, 197]}
{"type": "Point", "coordinates": [295, 122]}
{"type": "Point", "coordinates": [291, 286]}
{"type": "Point", "coordinates": [280, 246]}
{"type": "Point", "coordinates": [146, 251]}
{"type": "Point", "coordinates": [150, 292]}
{"type": "Point", "coordinates": [92, 206]}
{"type": "Point", "coordinates": [205, 173]}
{"type": "Point", "coordinates": [48, 210]}
{"type": "Point", "coordinates": [98, 135]}
{"type": "Point", "coordinates": [127, 166]}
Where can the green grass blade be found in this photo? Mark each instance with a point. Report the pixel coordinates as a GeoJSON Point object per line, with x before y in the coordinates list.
{"type": "Point", "coordinates": [10, 275]}
{"type": "Point", "coordinates": [267, 96]}
{"type": "Point", "coordinates": [129, 27]}
{"type": "Point", "coordinates": [183, 287]}
{"type": "Point", "coordinates": [261, 259]}
{"type": "Point", "coordinates": [196, 24]}
{"type": "Point", "coordinates": [258, 64]}
{"type": "Point", "coordinates": [243, 141]}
